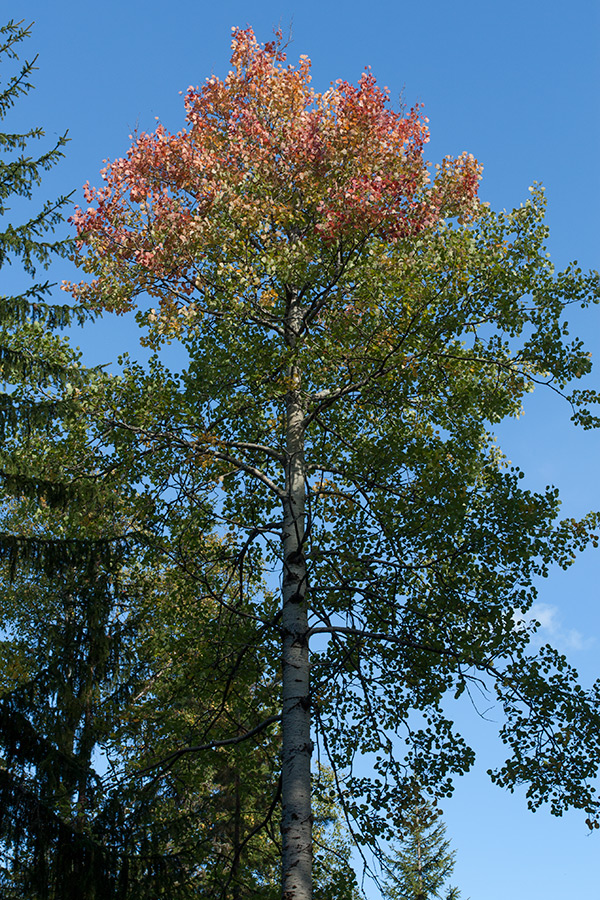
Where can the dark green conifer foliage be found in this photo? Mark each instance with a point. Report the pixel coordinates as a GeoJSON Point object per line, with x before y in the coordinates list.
{"type": "Point", "coordinates": [59, 644]}
{"type": "Point", "coordinates": [423, 861]}
{"type": "Point", "coordinates": [40, 374]}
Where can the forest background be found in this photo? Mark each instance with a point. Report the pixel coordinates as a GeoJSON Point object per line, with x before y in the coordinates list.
{"type": "Point", "coordinates": [516, 85]}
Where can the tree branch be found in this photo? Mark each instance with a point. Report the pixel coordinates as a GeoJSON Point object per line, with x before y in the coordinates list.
{"type": "Point", "coordinates": [212, 745]}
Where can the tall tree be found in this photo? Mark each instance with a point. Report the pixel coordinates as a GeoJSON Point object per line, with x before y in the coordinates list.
{"type": "Point", "coordinates": [354, 331]}
{"type": "Point", "coordinates": [60, 542]}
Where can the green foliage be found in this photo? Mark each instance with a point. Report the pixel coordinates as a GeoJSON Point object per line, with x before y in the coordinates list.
{"type": "Point", "coordinates": [422, 543]}
{"type": "Point", "coordinates": [199, 744]}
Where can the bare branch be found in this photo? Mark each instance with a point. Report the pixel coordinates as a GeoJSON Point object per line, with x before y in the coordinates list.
{"type": "Point", "coordinates": [212, 745]}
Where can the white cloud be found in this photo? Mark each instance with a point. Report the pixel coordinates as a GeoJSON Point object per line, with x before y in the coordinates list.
{"type": "Point", "coordinates": [553, 629]}
{"type": "Point", "coordinates": [545, 615]}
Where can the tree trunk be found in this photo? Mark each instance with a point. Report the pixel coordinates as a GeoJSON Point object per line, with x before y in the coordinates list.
{"type": "Point", "coordinates": [296, 822]}
{"type": "Point", "coordinates": [237, 837]}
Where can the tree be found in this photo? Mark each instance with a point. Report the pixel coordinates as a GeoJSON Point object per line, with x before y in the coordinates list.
{"type": "Point", "coordinates": [354, 330]}
{"type": "Point", "coordinates": [61, 541]}
{"type": "Point", "coordinates": [422, 862]}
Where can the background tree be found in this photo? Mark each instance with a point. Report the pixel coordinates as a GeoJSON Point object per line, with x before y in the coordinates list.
{"type": "Point", "coordinates": [40, 375]}
{"type": "Point", "coordinates": [32, 360]}
{"type": "Point", "coordinates": [65, 662]}
{"type": "Point", "coordinates": [422, 861]}
{"type": "Point", "coordinates": [62, 548]}
{"type": "Point", "coordinates": [354, 330]}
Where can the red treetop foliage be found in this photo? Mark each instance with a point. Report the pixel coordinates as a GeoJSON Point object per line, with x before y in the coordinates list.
{"type": "Point", "coordinates": [263, 151]}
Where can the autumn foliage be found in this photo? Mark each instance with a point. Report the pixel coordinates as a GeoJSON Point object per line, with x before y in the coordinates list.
{"type": "Point", "coordinates": [264, 162]}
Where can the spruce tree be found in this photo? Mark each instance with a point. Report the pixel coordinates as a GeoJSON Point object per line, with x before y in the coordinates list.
{"type": "Point", "coordinates": [423, 861]}
{"type": "Point", "coordinates": [59, 558]}
{"type": "Point", "coordinates": [40, 373]}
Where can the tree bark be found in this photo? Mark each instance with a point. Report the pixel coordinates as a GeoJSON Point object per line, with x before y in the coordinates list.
{"type": "Point", "coordinates": [237, 837]}
{"type": "Point", "coordinates": [296, 821]}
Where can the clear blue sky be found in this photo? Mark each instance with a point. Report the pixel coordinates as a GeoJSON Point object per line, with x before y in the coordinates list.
{"type": "Point", "coordinates": [516, 84]}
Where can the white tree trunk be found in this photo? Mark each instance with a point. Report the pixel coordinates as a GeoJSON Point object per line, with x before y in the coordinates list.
{"type": "Point", "coordinates": [296, 823]}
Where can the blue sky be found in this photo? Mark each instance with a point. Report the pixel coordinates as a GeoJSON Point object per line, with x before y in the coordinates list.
{"type": "Point", "coordinates": [516, 84]}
